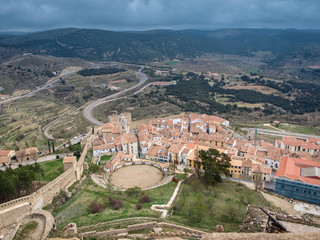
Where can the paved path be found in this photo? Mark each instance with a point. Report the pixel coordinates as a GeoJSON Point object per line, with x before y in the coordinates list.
{"type": "Point", "coordinates": [281, 203]}
{"type": "Point", "coordinates": [162, 208]}
{"type": "Point", "coordinates": [281, 133]}
{"type": "Point", "coordinates": [299, 228]}
{"type": "Point", "coordinates": [143, 88]}
{"type": "Point", "coordinates": [116, 96]}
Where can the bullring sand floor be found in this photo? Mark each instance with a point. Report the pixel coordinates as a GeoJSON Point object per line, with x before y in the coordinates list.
{"type": "Point", "coordinates": [136, 176]}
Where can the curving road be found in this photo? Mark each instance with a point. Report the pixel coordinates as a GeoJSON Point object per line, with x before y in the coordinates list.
{"type": "Point", "coordinates": [40, 88]}
{"type": "Point", "coordinates": [280, 133]}
{"type": "Point", "coordinates": [113, 97]}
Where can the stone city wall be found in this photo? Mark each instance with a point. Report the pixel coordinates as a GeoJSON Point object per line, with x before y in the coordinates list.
{"type": "Point", "coordinates": [46, 194]}
{"type": "Point", "coordinates": [43, 196]}
{"type": "Point", "coordinates": [12, 213]}
{"type": "Point", "coordinates": [43, 217]}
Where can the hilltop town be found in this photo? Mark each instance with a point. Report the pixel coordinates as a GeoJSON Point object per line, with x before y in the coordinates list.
{"type": "Point", "coordinates": [124, 154]}
{"type": "Point", "coordinates": [162, 120]}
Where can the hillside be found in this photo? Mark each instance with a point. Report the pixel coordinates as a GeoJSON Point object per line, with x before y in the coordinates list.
{"type": "Point", "coordinates": [26, 72]}
{"type": "Point", "coordinates": [159, 45]}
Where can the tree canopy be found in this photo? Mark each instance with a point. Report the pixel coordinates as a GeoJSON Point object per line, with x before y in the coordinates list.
{"type": "Point", "coordinates": [214, 165]}
{"type": "Point", "coordinates": [15, 183]}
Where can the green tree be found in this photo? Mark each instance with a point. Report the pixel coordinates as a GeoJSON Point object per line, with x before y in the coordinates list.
{"type": "Point", "coordinates": [49, 148]}
{"type": "Point", "coordinates": [197, 163]}
{"type": "Point", "coordinates": [53, 146]}
{"type": "Point", "coordinates": [94, 168]}
{"type": "Point", "coordinates": [39, 171]}
{"type": "Point", "coordinates": [214, 164]}
{"type": "Point", "coordinates": [198, 209]}
{"type": "Point", "coordinates": [231, 212]}
{"type": "Point", "coordinates": [179, 204]}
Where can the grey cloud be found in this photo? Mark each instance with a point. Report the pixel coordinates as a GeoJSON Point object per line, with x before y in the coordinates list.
{"type": "Point", "coordinates": [152, 14]}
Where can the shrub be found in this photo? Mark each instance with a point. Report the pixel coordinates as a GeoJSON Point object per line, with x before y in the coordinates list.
{"type": "Point", "coordinates": [97, 207]}
{"type": "Point", "coordinates": [115, 203]}
{"type": "Point", "coordinates": [145, 199]}
{"type": "Point", "coordinates": [139, 206]}
{"type": "Point", "coordinates": [133, 192]}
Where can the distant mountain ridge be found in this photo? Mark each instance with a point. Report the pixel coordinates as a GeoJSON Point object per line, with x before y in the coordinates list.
{"type": "Point", "coordinates": [153, 45]}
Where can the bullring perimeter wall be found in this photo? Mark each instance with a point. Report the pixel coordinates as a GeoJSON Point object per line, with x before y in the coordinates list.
{"type": "Point", "coordinates": [13, 210]}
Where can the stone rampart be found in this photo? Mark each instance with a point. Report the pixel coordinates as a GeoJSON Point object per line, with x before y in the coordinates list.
{"type": "Point", "coordinates": [43, 217]}
{"type": "Point", "coordinates": [43, 196]}
{"type": "Point", "coordinates": [12, 213]}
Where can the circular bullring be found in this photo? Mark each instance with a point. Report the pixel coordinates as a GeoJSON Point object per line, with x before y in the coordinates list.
{"type": "Point", "coordinates": [143, 176]}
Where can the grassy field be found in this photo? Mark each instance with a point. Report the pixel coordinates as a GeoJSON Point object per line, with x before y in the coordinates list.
{"type": "Point", "coordinates": [224, 99]}
{"type": "Point", "coordinates": [171, 62]}
{"type": "Point", "coordinates": [77, 209]}
{"type": "Point", "coordinates": [52, 169]}
{"type": "Point", "coordinates": [196, 206]}
{"type": "Point", "coordinates": [106, 157]}
{"type": "Point", "coordinates": [224, 203]}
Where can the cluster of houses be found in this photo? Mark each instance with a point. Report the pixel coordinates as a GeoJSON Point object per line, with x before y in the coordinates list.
{"type": "Point", "coordinates": [178, 140]}
{"type": "Point", "coordinates": [114, 136]}
{"type": "Point", "coordinates": [7, 157]}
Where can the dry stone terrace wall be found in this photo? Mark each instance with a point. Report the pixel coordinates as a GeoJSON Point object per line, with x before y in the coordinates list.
{"type": "Point", "coordinates": [149, 225]}
{"type": "Point", "coordinates": [12, 210]}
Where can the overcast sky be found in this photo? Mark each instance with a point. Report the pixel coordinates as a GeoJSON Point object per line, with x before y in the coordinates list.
{"type": "Point", "coordinates": [34, 15]}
